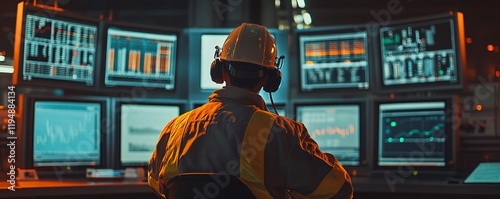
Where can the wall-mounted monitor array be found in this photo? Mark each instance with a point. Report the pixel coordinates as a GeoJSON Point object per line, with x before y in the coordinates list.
{"type": "Point", "coordinates": [417, 133]}
{"type": "Point", "coordinates": [423, 54]}
{"type": "Point", "coordinates": [139, 125]}
{"type": "Point", "coordinates": [333, 60]}
{"type": "Point", "coordinates": [336, 128]}
{"type": "Point", "coordinates": [76, 53]}
{"type": "Point", "coordinates": [54, 51]}
{"type": "Point", "coordinates": [140, 58]}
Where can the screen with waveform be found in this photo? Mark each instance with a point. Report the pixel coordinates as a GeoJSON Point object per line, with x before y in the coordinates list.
{"type": "Point", "coordinates": [335, 128]}
{"type": "Point", "coordinates": [413, 133]}
{"type": "Point", "coordinates": [140, 127]}
{"type": "Point", "coordinates": [58, 51]}
{"type": "Point", "coordinates": [66, 133]}
{"type": "Point", "coordinates": [139, 58]}
{"type": "Point", "coordinates": [334, 61]}
{"type": "Point", "coordinates": [422, 52]}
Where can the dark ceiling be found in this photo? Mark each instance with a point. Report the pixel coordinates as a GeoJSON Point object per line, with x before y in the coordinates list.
{"type": "Point", "coordinates": [481, 19]}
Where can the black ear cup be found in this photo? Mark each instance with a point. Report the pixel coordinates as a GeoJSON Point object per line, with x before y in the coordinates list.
{"type": "Point", "coordinates": [273, 80]}
{"type": "Point", "coordinates": [216, 71]}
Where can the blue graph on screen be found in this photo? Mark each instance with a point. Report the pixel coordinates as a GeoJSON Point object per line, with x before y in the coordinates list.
{"type": "Point", "coordinates": [65, 130]}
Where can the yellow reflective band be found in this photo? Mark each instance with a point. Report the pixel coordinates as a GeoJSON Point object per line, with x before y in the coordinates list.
{"type": "Point", "coordinates": [156, 186]}
{"type": "Point", "coordinates": [171, 159]}
{"type": "Point", "coordinates": [330, 185]}
{"type": "Point", "coordinates": [252, 152]}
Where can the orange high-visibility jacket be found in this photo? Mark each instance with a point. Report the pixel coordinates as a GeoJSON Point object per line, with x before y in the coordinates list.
{"type": "Point", "coordinates": [235, 134]}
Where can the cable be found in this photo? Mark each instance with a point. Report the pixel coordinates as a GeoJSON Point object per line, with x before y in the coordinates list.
{"type": "Point", "coordinates": [272, 103]}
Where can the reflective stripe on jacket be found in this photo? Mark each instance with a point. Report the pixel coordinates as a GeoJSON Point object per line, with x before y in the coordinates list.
{"type": "Point", "coordinates": [234, 133]}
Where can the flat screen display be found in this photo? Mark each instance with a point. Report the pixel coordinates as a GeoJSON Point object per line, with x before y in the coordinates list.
{"type": "Point", "coordinates": [66, 133]}
{"type": "Point", "coordinates": [140, 128]}
{"type": "Point", "coordinates": [58, 49]}
{"type": "Point", "coordinates": [335, 128]}
{"type": "Point", "coordinates": [334, 61]}
{"type": "Point", "coordinates": [420, 53]}
{"type": "Point", "coordinates": [413, 133]}
{"type": "Point", "coordinates": [139, 58]}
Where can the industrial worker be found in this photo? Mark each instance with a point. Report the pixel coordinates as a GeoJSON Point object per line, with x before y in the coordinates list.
{"type": "Point", "coordinates": [234, 132]}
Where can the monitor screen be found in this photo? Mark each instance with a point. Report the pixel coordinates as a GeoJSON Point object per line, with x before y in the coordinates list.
{"type": "Point", "coordinates": [413, 133]}
{"type": "Point", "coordinates": [208, 43]}
{"type": "Point", "coordinates": [54, 51]}
{"type": "Point", "coordinates": [335, 128]}
{"type": "Point", "coordinates": [66, 133]}
{"type": "Point", "coordinates": [140, 58]}
{"type": "Point", "coordinates": [140, 128]}
{"type": "Point", "coordinates": [420, 54]}
{"type": "Point", "coordinates": [334, 61]}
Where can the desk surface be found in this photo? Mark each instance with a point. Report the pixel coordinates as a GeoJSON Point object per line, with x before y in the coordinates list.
{"type": "Point", "coordinates": [362, 185]}
{"type": "Point", "coordinates": [74, 187]}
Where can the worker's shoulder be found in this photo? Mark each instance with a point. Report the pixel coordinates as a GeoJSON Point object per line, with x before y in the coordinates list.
{"type": "Point", "coordinates": [280, 121]}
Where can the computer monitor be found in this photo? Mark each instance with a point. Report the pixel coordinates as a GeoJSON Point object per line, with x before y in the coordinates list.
{"type": "Point", "coordinates": [423, 54]}
{"type": "Point", "coordinates": [57, 51]}
{"type": "Point", "coordinates": [336, 128]}
{"type": "Point", "coordinates": [64, 132]}
{"type": "Point", "coordinates": [336, 58]}
{"type": "Point", "coordinates": [207, 56]}
{"type": "Point", "coordinates": [415, 133]}
{"type": "Point", "coordinates": [139, 125]}
{"type": "Point", "coordinates": [139, 56]}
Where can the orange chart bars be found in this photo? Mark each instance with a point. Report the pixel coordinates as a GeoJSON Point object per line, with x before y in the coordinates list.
{"type": "Point", "coordinates": [334, 61]}
{"type": "Point", "coordinates": [141, 59]}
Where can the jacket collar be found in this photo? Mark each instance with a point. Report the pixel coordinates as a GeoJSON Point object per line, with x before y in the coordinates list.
{"type": "Point", "coordinates": [240, 95]}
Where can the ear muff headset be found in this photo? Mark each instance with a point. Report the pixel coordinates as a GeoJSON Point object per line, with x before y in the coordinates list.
{"type": "Point", "coordinates": [274, 77]}
{"type": "Point", "coordinates": [273, 80]}
{"type": "Point", "coordinates": [216, 67]}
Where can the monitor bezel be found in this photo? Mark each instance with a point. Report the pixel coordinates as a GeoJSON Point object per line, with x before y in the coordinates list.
{"type": "Point", "coordinates": [139, 90]}
{"type": "Point", "coordinates": [58, 171]}
{"type": "Point", "coordinates": [363, 124]}
{"type": "Point", "coordinates": [450, 145]}
{"type": "Point", "coordinates": [22, 11]}
{"type": "Point", "coordinates": [458, 30]}
{"type": "Point", "coordinates": [117, 103]}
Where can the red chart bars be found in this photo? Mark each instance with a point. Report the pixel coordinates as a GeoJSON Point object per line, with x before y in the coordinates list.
{"type": "Point", "coordinates": [140, 59]}
{"type": "Point", "coordinates": [60, 50]}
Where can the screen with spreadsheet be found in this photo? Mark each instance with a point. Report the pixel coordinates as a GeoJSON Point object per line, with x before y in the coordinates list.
{"type": "Point", "coordinates": [335, 128]}
{"type": "Point", "coordinates": [59, 51]}
{"type": "Point", "coordinates": [423, 54]}
{"type": "Point", "coordinates": [140, 58]}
